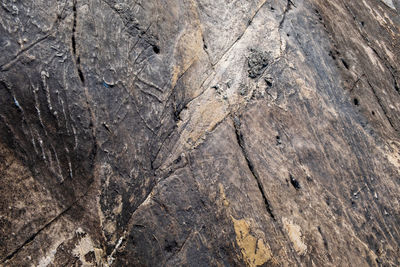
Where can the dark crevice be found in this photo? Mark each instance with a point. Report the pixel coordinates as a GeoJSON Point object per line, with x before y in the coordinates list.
{"type": "Point", "coordinates": [177, 113]}
{"type": "Point", "coordinates": [81, 77]}
{"type": "Point", "coordinates": [156, 49]}
{"type": "Point", "coordinates": [205, 47]}
{"type": "Point", "coordinates": [73, 43]}
{"type": "Point", "coordinates": [294, 182]}
{"type": "Point", "coordinates": [160, 148]}
{"type": "Point", "coordinates": [396, 85]}
{"type": "Point", "coordinates": [250, 165]}
{"type": "Point", "coordinates": [323, 238]}
{"type": "Point", "coordinates": [278, 140]}
{"type": "Point", "coordinates": [332, 55]}
{"type": "Point", "coordinates": [345, 64]}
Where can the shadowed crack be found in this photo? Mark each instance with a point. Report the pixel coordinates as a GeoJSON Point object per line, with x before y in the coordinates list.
{"type": "Point", "coordinates": [240, 140]}
{"type": "Point", "coordinates": [73, 42]}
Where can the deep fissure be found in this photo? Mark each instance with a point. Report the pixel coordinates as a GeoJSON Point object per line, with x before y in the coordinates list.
{"type": "Point", "coordinates": [250, 165]}
{"type": "Point", "coordinates": [73, 43]}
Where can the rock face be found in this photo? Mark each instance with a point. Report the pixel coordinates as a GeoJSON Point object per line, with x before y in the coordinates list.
{"type": "Point", "coordinates": [200, 133]}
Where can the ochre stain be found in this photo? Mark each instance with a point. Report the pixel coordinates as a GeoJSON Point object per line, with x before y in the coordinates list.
{"type": "Point", "coordinates": [254, 251]}
{"type": "Point", "coordinates": [189, 45]}
{"type": "Point", "coordinates": [223, 196]}
{"type": "Point", "coordinates": [210, 113]}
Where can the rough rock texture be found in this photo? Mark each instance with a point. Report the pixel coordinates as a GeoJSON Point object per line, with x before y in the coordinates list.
{"type": "Point", "coordinates": [200, 133]}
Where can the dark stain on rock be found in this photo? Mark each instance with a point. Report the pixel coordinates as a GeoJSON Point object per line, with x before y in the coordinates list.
{"type": "Point", "coordinates": [268, 81]}
{"type": "Point", "coordinates": [156, 49]}
{"type": "Point", "coordinates": [294, 182]}
{"type": "Point", "coordinates": [170, 245]}
{"type": "Point", "coordinates": [90, 257]}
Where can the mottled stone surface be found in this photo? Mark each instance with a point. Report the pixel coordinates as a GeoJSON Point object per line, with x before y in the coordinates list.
{"type": "Point", "coordinates": [200, 133]}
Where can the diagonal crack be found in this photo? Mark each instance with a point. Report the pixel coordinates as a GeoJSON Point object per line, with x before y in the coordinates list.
{"type": "Point", "coordinates": [381, 105]}
{"type": "Point", "coordinates": [356, 82]}
{"type": "Point", "coordinates": [33, 236]}
{"type": "Point", "coordinates": [44, 227]}
{"type": "Point", "coordinates": [153, 131]}
{"type": "Point", "coordinates": [30, 46]}
{"type": "Point", "coordinates": [73, 42]}
{"type": "Point", "coordinates": [241, 35]}
{"type": "Point", "coordinates": [53, 29]}
{"type": "Point", "coordinates": [240, 141]}
{"type": "Point", "coordinates": [127, 22]}
{"type": "Point", "coordinates": [385, 62]}
{"type": "Point", "coordinates": [289, 4]}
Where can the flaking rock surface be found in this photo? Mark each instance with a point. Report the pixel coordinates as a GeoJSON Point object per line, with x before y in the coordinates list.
{"type": "Point", "coordinates": [200, 133]}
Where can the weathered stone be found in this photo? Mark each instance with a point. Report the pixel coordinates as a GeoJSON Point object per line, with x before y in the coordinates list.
{"type": "Point", "coordinates": [199, 133]}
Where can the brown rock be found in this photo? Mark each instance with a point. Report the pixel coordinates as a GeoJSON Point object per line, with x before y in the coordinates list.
{"type": "Point", "coordinates": [200, 133]}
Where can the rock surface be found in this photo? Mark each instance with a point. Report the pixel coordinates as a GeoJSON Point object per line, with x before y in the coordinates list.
{"type": "Point", "coordinates": [200, 133]}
